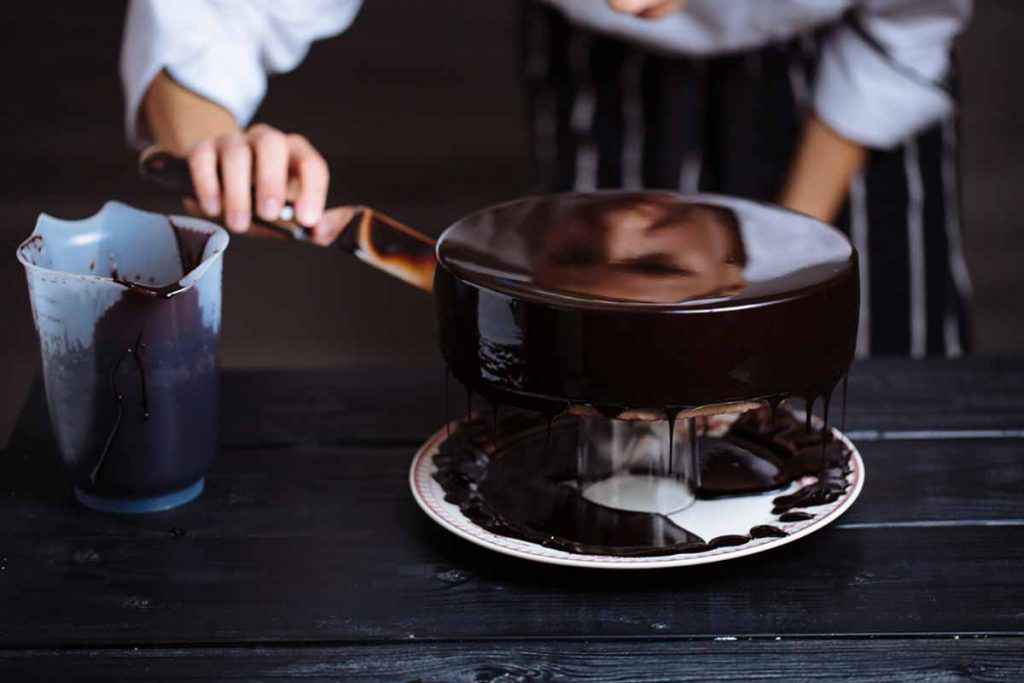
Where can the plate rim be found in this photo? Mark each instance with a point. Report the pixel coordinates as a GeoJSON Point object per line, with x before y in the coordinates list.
{"type": "Point", "coordinates": [506, 545]}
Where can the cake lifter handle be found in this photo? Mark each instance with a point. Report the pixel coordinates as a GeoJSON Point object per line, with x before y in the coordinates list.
{"type": "Point", "coordinates": [371, 236]}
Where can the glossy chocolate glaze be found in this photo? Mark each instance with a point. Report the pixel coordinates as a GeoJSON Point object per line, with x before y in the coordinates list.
{"type": "Point", "coordinates": [521, 481]}
{"type": "Point", "coordinates": [626, 300]}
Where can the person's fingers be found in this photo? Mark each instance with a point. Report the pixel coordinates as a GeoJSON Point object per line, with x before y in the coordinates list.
{"type": "Point", "coordinates": [202, 163]}
{"type": "Point", "coordinates": [313, 176]}
{"type": "Point", "coordinates": [236, 174]}
{"type": "Point", "coordinates": [662, 10]}
{"type": "Point", "coordinates": [332, 223]}
{"type": "Point", "coordinates": [647, 9]}
{"type": "Point", "coordinates": [271, 152]}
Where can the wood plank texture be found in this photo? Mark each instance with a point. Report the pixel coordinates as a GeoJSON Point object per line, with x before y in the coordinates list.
{"type": "Point", "coordinates": [895, 660]}
{"type": "Point", "coordinates": [306, 557]}
{"type": "Point", "coordinates": [390, 405]}
{"type": "Point", "coordinates": [424, 584]}
{"type": "Point", "coordinates": [318, 543]}
{"type": "Point", "coordinates": [321, 490]}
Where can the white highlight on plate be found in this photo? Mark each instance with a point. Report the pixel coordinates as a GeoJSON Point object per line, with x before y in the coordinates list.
{"type": "Point", "coordinates": [640, 493]}
{"type": "Point", "coordinates": [708, 518]}
{"type": "Point", "coordinates": [733, 515]}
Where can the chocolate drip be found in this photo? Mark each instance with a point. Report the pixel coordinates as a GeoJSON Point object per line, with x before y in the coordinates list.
{"type": "Point", "coordinates": [135, 350]}
{"type": "Point", "coordinates": [773, 408]}
{"type": "Point", "coordinates": [826, 431]}
{"type": "Point", "coordinates": [767, 531]}
{"type": "Point", "coordinates": [140, 366]}
{"type": "Point", "coordinates": [809, 454]}
{"type": "Point", "coordinates": [190, 246]}
{"type": "Point", "coordinates": [809, 411]}
{"type": "Point", "coordinates": [842, 424]}
{"type": "Point", "coordinates": [695, 451]}
{"type": "Point", "coordinates": [826, 400]}
{"type": "Point", "coordinates": [671, 414]}
{"type": "Point", "coordinates": [116, 426]}
{"type": "Point", "coordinates": [795, 516]}
{"type": "Point", "coordinates": [549, 421]}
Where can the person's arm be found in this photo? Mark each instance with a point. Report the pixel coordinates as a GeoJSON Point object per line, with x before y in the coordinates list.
{"type": "Point", "coordinates": [194, 74]}
{"type": "Point", "coordinates": [225, 160]}
{"type": "Point", "coordinates": [882, 75]}
{"type": "Point", "coordinates": [821, 171]}
{"type": "Point", "coordinates": [880, 81]}
{"type": "Point", "coordinates": [177, 119]}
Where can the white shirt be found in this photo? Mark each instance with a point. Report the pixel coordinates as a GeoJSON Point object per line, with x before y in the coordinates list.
{"type": "Point", "coordinates": [876, 86]}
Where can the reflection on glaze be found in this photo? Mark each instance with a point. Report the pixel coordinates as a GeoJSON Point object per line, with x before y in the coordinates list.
{"type": "Point", "coordinates": [642, 248]}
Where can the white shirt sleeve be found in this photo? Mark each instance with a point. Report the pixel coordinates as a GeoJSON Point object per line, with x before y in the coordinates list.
{"type": "Point", "coordinates": [220, 49]}
{"type": "Point", "coordinates": [882, 80]}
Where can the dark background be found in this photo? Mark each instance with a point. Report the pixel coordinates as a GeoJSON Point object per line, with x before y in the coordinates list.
{"type": "Point", "coordinates": [418, 110]}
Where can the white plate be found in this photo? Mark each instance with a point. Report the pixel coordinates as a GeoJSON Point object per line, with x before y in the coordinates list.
{"type": "Point", "coordinates": [430, 496]}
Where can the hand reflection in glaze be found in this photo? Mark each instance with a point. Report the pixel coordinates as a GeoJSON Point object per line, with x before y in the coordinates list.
{"type": "Point", "coordinates": [651, 250]}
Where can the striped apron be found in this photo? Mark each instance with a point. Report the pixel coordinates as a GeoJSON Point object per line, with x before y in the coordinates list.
{"type": "Point", "coordinates": [606, 114]}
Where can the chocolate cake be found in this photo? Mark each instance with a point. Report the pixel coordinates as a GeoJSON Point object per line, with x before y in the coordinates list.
{"type": "Point", "coordinates": [642, 305]}
{"type": "Point", "coordinates": [645, 300]}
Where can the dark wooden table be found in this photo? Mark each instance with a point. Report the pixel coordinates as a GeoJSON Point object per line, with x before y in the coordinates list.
{"type": "Point", "coordinates": [306, 557]}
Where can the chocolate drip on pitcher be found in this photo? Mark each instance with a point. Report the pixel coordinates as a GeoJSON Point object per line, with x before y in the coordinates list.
{"type": "Point", "coordinates": [190, 243]}
{"type": "Point", "coordinates": [140, 366]}
{"type": "Point", "coordinates": [135, 351]}
{"type": "Point", "coordinates": [447, 411]}
{"type": "Point", "coordinates": [116, 427]}
{"type": "Point", "coordinates": [190, 247]}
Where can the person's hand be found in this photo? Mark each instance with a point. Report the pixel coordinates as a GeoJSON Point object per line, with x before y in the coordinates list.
{"type": "Point", "coordinates": [647, 9]}
{"type": "Point", "coordinates": [281, 167]}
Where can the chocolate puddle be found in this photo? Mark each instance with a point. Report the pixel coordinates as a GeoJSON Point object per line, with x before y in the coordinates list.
{"type": "Point", "coordinates": [526, 486]}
